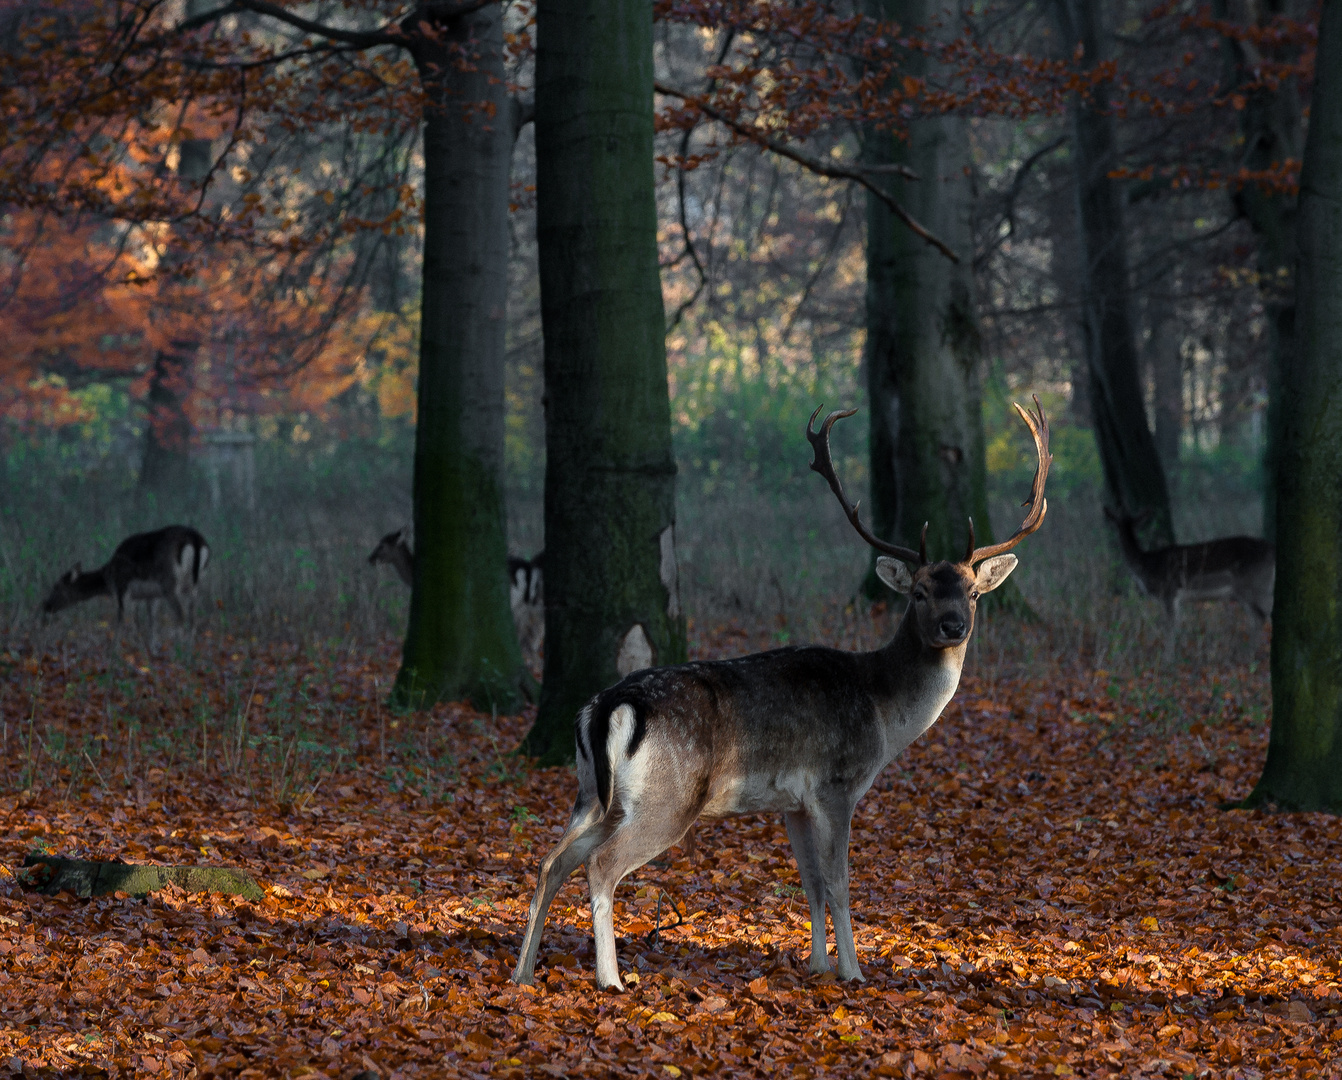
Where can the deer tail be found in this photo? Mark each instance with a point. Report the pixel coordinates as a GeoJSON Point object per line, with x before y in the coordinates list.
{"type": "Point", "coordinates": [608, 729]}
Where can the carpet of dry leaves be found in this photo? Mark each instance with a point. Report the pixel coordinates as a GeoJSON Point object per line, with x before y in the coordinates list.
{"type": "Point", "coordinates": [1044, 885]}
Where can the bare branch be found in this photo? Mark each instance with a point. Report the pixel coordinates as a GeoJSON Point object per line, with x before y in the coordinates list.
{"type": "Point", "coordinates": [390, 34]}
{"type": "Point", "coordinates": [361, 39]}
{"type": "Point", "coordinates": [820, 168]}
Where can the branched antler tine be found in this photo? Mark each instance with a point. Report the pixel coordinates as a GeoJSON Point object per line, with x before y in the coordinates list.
{"type": "Point", "coordinates": [969, 551]}
{"type": "Point", "coordinates": [922, 544]}
{"type": "Point", "coordinates": [824, 465]}
{"type": "Point", "coordinates": [1037, 422]}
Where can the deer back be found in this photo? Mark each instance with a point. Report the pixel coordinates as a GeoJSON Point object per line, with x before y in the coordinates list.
{"type": "Point", "coordinates": [168, 560]}
{"type": "Point", "coordinates": [750, 733]}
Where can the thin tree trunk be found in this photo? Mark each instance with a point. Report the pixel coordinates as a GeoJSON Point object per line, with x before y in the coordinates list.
{"type": "Point", "coordinates": [461, 640]}
{"type": "Point", "coordinates": [1167, 379]}
{"type": "Point", "coordinates": [167, 460]}
{"type": "Point", "coordinates": [923, 359]}
{"type": "Point", "coordinates": [166, 465]}
{"type": "Point", "coordinates": [1270, 123]}
{"type": "Point", "coordinates": [610, 569]}
{"type": "Point", "coordinates": [1133, 477]}
{"type": "Point", "coordinates": [1304, 758]}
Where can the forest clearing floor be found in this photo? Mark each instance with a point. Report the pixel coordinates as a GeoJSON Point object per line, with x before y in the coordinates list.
{"type": "Point", "coordinates": [1043, 885]}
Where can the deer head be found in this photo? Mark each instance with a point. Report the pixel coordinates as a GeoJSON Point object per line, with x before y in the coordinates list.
{"type": "Point", "coordinates": [389, 548]}
{"type": "Point", "coordinates": [65, 592]}
{"type": "Point", "coordinates": [943, 595]}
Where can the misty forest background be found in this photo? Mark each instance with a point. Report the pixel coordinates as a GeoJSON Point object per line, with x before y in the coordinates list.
{"type": "Point", "coordinates": [764, 283]}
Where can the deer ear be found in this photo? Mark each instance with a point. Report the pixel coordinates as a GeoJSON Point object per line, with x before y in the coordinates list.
{"type": "Point", "coordinates": [894, 573]}
{"type": "Point", "coordinates": [992, 572]}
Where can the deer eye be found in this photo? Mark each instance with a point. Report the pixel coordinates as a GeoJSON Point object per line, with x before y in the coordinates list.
{"type": "Point", "coordinates": [973, 594]}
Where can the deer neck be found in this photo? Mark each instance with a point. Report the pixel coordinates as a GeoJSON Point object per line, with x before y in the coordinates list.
{"type": "Point", "coordinates": [404, 563]}
{"type": "Point", "coordinates": [91, 583]}
{"type": "Point", "coordinates": [912, 682]}
{"type": "Point", "coordinates": [1143, 563]}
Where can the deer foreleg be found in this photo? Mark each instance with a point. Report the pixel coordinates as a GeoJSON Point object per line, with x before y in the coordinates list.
{"type": "Point", "coordinates": [806, 850]}
{"type": "Point", "coordinates": [567, 856]}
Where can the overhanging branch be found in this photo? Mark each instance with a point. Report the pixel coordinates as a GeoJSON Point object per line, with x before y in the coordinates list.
{"type": "Point", "coordinates": [360, 39]}
{"type": "Point", "coordinates": [390, 34]}
{"type": "Point", "coordinates": [817, 166]}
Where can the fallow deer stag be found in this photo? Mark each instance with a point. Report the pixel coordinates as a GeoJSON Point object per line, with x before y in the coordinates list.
{"type": "Point", "coordinates": [802, 730]}
{"type": "Point", "coordinates": [1241, 568]}
{"type": "Point", "coordinates": [162, 565]}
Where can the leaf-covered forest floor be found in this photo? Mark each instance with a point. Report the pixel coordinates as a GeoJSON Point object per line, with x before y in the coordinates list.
{"type": "Point", "coordinates": [1043, 885]}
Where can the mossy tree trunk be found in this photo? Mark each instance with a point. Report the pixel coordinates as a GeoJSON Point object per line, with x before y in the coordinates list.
{"type": "Point", "coordinates": [461, 641]}
{"type": "Point", "coordinates": [923, 358]}
{"type": "Point", "coordinates": [1304, 757]}
{"type": "Point", "coordinates": [1133, 476]}
{"type": "Point", "coordinates": [610, 570]}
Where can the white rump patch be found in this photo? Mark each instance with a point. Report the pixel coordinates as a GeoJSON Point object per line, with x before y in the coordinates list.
{"type": "Point", "coordinates": [635, 654]}
{"type": "Point", "coordinates": [183, 582]}
{"type": "Point", "coordinates": [627, 775]}
{"type": "Point", "coordinates": [670, 574]}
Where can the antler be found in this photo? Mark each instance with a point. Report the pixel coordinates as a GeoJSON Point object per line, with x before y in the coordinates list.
{"type": "Point", "coordinates": [1038, 424]}
{"type": "Point", "coordinates": [823, 464]}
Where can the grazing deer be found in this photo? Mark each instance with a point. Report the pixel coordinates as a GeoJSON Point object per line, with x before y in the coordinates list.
{"type": "Point", "coordinates": [1232, 568]}
{"type": "Point", "coordinates": [162, 565]}
{"type": "Point", "coordinates": [802, 730]}
{"type": "Point", "coordinates": [525, 585]}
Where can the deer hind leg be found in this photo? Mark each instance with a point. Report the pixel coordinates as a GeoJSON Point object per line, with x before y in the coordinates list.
{"type": "Point", "coordinates": [806, 849]}
{"type": "Point", "coordinates": [583, 833]}
{"type": "Point", "coordinates": [638, 839]}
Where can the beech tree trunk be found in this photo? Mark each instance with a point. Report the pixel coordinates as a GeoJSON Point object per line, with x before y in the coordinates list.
{"type": "Point", "coordinates": [1270, 123]}
{"type": "Point", "coordinates": [1304, 757]}
{"type": "Point", "coordinates": [923, 359]}
{"type": "Point", "coordinates": [610, 562]}
{"type": "Point", "coordinates": [1133, 477]}
{"type": "Point", "coordinates": [461, 641]}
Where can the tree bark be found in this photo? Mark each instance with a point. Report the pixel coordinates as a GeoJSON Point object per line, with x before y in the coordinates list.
{"type": "Point", "coordinates": [610, 569]}
{"type": "Point", "coordinates": [1304, 758]}
{"type": "Point", "coordinates": [167, 446]}
{"type": "Point", "coordinates": [167, 450]}
{"type": "Point", "coordinates": [923, 353]}
{"type": "Point", "coordinates": [1167, 377]}
{"type": "Point", "coordinates": [1134, 480]}
{"type": "Point", "coordinates": [1270, 124]}
{"type": "Point", "coordinates": [461, 641]}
